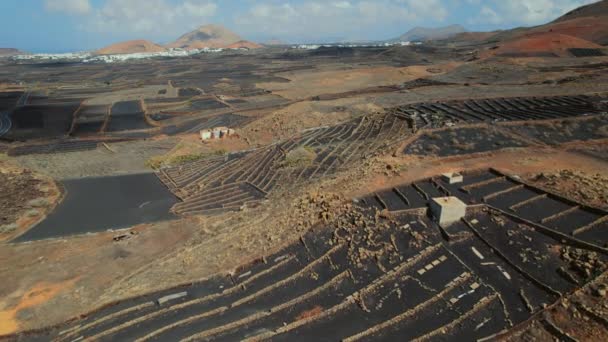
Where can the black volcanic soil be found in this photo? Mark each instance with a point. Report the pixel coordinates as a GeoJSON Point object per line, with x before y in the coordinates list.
{"type": "Point", "coordinates": [98, 204]}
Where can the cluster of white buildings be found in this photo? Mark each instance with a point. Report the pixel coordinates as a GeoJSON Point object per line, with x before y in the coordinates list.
{"type": "Point", "coordinates": [217, 133]}
{"type": "Point", "coordinates": [87, 57]}
{"type": "Point", "coordinates": [172, 53]}
{"type": "Point", "coordinates": [53, 56]}
{"type": "Point", "coordinates": [386, 44]}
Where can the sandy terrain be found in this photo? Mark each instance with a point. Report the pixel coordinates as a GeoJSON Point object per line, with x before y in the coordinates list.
{"type": "Point", "coordinates": [27, 198]}
{"type": "Point", "coordinates": [313, 83]}
{"type": "Point", "coordinates": [125, 158]}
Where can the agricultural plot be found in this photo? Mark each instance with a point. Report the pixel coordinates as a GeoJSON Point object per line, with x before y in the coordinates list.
{"type": "Point", "coordinates": [586, 52]}
{"type": "Point", "coordinates": [90, 120]}
{"type": "Point", "coordinates": [117, 202]}
{"type": "Point", "coordinates": [566, 130]}
{"type": "Point", "coordinates": [246, 178]}
{"type": "Point", "coordinates": [125, 116]}
{"type": "Point", "coordinates": [56, 147]}
{"type": "Point", "coordinates": [8, 100]}
{"type": "Point", "coordinates": [176, 107]}
{"type": "Point", "coordinates": [205, 104]}
{"type": "Point", "coordinates": [557, 215]}
{"type": "Point", "coordinates": [44, 121]}
{"type": "Point", "coordinates": [189, 92]}
{"type": "Point", "coordinates": [386, 279]}
{"type": "Point", "coordinates": [437, 114]}
{"type": "Point", "coordinates": [553, 215]}
{"type": "Point", "coordinates": [458, 141]}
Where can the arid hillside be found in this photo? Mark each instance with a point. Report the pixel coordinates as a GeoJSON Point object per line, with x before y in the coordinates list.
{"type": "Point", "coordinates": [211, 36]}
{"type": "Point", "coordinates": [132, 46]}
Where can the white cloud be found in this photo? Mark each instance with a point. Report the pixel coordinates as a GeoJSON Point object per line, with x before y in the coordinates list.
{"type": "Point", "coordinates": [311, 20]}
{"type": "Point", "coordinates": [72, 7]}
{"type": "Point", "coordinates": [429, 9]}
{"type": "Point", "coordinates": [491, 15]}
{"type": "Point", "coordinates": [158, 18]}
{"type": "Point", "coordinates": [525, 12]}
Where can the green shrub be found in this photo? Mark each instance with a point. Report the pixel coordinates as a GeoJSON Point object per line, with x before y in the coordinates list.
{"type": "Point", "coordinates": [300, 157]}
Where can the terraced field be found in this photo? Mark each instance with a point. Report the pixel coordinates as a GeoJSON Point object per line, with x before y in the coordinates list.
{"type": "Point", "coordinates": [223, 184]}
{"type": "Point", "coordinates": [437, 114]}
{"type": "Point", "coordinates": [464, 140]}
{"type": "Point", "coordinates": [587, 52]}
{"type": "Point", "coordinates": [361, 278]}
{"type": "Point", "coordinates": [227, 183]}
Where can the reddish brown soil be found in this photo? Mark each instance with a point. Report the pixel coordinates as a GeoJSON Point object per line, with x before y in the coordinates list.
{"type": "Point", "coordinates": [41, 276]}
{"type": "Point", "coordinates": [310, 313]}
{"type": "Point", "coordinates": [36, 295]}
{"type": "Point", "coordinates": [549, 42]}
{"type": "Point", "coordinates": [594, 29]}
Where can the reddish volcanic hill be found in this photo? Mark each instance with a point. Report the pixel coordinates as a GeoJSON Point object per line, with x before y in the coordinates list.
{"type": "Point", "coordinates": [132, 46]}
{"type": "Point", "coordinates": [211, 36]}
{"type": "Point", "coordinates": [588, 22]}
{"type": "Point", "coordinates": [597, 9]}
{"type": "Point", "coordinates": [594, 29]}
{"type": "Point", "coordinates": [541, 45]}
{"type": "Point", "coordinates": [244, 44]}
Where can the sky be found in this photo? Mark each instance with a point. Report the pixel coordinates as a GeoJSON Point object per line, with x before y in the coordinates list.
{"type": "Point", "coordinates": [79, 25]}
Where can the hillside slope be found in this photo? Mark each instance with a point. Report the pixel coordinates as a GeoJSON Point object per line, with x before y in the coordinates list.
{"type": "Point", "coordinates": [598, 9]}
{"type": "Point", "coordinates": [545, 44]}
{"type": "Point", "coordinates": [423, 33]}
{"type": "Point", "coordinates": [589, 22]}
{"type": "Point", "coordinates": [7, 52]}
{"type": "Point", "coordinates": [132, 46]}
{"type": "Point", "coordinates": [211, 36]}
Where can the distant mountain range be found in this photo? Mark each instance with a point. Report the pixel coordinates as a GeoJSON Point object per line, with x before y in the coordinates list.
{"type": "Point", "coordinates": [7, 52]}
{"type": "Point", "coordinates": [587, 23]}
{"type": "Point", "coordinates": [208, 36]}
{"type": "Point", "coordinates": [421, 34]}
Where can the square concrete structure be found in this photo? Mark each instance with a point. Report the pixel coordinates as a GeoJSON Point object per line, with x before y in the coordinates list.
{"type": "Point", "coordinates": [206, 135]}
{"type": "Point", "coordinates": [452, 178]}
{"type": "Point", "coordinates": [448, 210]}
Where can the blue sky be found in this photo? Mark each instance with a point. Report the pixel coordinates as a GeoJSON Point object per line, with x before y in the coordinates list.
{"type": "Point", "coordinates": [73, 25]}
